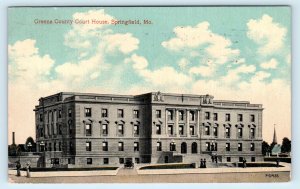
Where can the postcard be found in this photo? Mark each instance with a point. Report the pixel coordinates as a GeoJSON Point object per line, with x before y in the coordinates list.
{"type": "Point", "coordinates": [149, 94]}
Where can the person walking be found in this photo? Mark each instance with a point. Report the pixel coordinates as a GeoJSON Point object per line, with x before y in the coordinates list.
{"type": "Point", "coordinates": [201, 163]}
{"type": "Point", "coordinates": [28, 170]}
{"type": "Point", "coordinates": [18, 166]}
{"type": "Point", "coordinates": [277, 162]}
{"type": "Point", "coordinates": [204, 163]}
{"type": "Point", "coordinates": [244, 163]}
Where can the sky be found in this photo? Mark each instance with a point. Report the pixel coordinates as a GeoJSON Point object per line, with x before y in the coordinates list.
{"type": "Point", "coordinates": [232, 53]}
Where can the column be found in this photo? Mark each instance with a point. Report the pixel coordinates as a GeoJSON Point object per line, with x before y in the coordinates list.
{"type": "Point", "coordinates": [188, 123]}
{"type": "Point", "coordinates": [198, 123]}
{"type": "Point", "coordinates": [166, 122]}
{"type": "Point", "coordinates": [176, 122]}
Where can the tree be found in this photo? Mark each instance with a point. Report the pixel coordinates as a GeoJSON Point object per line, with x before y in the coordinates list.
{"type": "Point", "coordinates": [265, 148]}
{"type": "Point", "coordinates": [32, 146]}
{"type": "Point", "coordinates": [286, 145]}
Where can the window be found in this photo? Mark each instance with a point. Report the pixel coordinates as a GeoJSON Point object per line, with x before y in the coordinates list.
{"type": "Point", "coordinates": [214, 146]}
{"type": "Point", "coordinates": [215, 131]}
{"type": "Point", "coordinates": [59, 146]}
{"type": "Point", "coordinates": [89, 161]}
{"type": "Point", "coordinates": [104, 112]}
{"type": "Point", "coordinates": [183, 148]}
{"type": "Point", "coordinates": [207, 145]}
{"type": "Point", "coordinates": [120, 113]}
{"type": "Point", "coordinates": [228, 147]}
{"type": "Point", "coordinates": [252, 147]}
{"type": "Point", "coordinates": [215, 116]}
{"type": "Point", "coordinates": [241, 159]}
{"type": "Point", "coordinates": [207, 115]}
{"type": "Point", "coordinates": [88, 146]}
{"type": "Point", "coordinates": [71, 146]}
{"type": "Point", "coordinates": [41, 117]}
{"type": "Point", "coordinates": [194, 148]}
{"type": "Point", "coordinates": [192, 116]}
{"type": "Point", "coordinates": [228, 159]}
{"type": "Point", "coordinates": [121, 146]}
{"type": "Point", "coordinates": [158, 146]}
{"type": "Point", "coordinates": [50, 147]}
{"type": "Point", "coordinates": [88, 129]}
{"type": "Point", "coordinates": [252, 133]}
{"type": "Point", "coordinates": [227, 117]}
{"type": "Point", "coordinates": [88, 112]}
{"type": "Point", "coordinates": [252, 159]}
{"type": "Point", "coordinates": [136, 146]}
{"type": "Point", "coordinates": [252, 118]}
{"type": "Point", "coordinates": [59, 114]}
{"type": "Point", "coordinates": [54, 146]}
{"type": "Point", "coordinates": [170, 114]}
{"type": "Point", "coordinates": [136, 130]}
{"type": "Point", "coordinates": [170, 129]}
{"type": "Point", "coordinates": [105, 129]}
{"type": "Point", "coordinates": [120, 130]}
{"type": "Point", "coordinates": [46, 147]}
{"type": "Point", "coordinates": [158, 113]}
{"type": "Point", "coordinates": [240, 117]}
{"type": "Point", "coordinates": [206, 129]}
{"type": "Point", "coordinates": [181, 115]}
{"type": "Point", "coordinates": [105, 146]}
{"type": "Point", "coordinates": [192, 130]}
{"type": "Point", "coordinates": [121, 160]}
{"type": "Point", "coordinates": [59, 128]}
{"type": "Point", "coordinates": [180, 129]}
{"type": "Point", "coordinates": [240, 147]}
{"type": "Point", "coordinates": [227, 132]}
{"type": "Point", "coordinates": [137, 160]}
{"type": "Point", "coordinates": [105, 161]}
{"type": "Point", "coordinates": [240, 132]}
{"type": "Point", "coordinates": [52, 115]}
{"type": "Point", "coordinates": [158, 129]}
{"type": "Point", "coordinates": [70, 112]}
{"type": "Point", "coordinates": [136, 114]}
{"type": "Point", "coordinates": [172, 146]}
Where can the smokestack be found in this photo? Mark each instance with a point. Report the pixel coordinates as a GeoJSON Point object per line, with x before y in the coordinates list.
{"type": "Point", "coordinates": [13, 137]}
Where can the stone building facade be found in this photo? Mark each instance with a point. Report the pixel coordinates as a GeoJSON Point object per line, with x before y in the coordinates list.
{"type": "Point", "coordinates": [81, 129]}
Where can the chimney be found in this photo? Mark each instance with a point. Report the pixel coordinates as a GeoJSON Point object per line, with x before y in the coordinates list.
{"type": "Point", "coordinates": [13, 138]}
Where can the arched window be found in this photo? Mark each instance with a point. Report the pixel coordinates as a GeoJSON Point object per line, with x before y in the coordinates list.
{"type": "Point", "coordinates": [172, 146]}
{"type": "Point", "coordinates": [183, 148]}
{"type": "Point", "coordinates": [194, 148]}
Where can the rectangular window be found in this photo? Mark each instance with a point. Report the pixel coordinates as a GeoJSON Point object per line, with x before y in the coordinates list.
{"type": "Point", "coordinates": [41, 117]}
{"type": "Point", "coordinates": [121, 160]}
{"type": "Point", "coordinates": [70, 112]}
{"type": "Point", "coordinates": [136, 114]}
{"type": "Point", "coordinates": [170, 115]}
{"type": "Point", "coordinates": [227, 132]}
{"type": "Point", "coordinates": [240, 132]}
{"type": "Point", "coordinates": [192, 130]}
{"type": "Point", "coordinates": [104, 112]}
{"type": "Point", "coordinates": [252, 133]}
{"type": "Point", "coordinates": [170, 129]}
{"type": "Point", "coordinates": [105, 129]}
{"type": "Point", "coordinates": [50, 147]}
{"type": "Point", "coordinates": [206, 129]}
{"type": "Point", "coordinates": [252, 147]}
{"type": "Point", "coordinates": [52, 116]}
{"type": "Point", "coordinates": [215, 116]}
{"type": "Point", "coordinates": [136, 146]}
{"type": "Point", "coordinates": [228, 159]}
{"type": "Point", "coordinates": [158, 129]}
{"type": "Point", "coordinates": [121, 146]}
{"type": "Point", "coordinates": [158, 113]}
{"type": "Point", "coordinates": [252, 159]}
{"type": "Point", "coordinates": [228, 147]}
{"type": "Point", "coordinates": [136, 130]}
{"type": "Point", "coordinates": [207, 145]}
{"type": "Point", "coordinates": [207, 115]}
{"type": "Point", "coordinates": [120, 130]}
{"type": "Point", "coordinates": [137, 160]}
{"type": "Point", "coordinates": [54, 146]}
{"type": "Point", "coordinates": [88, 112]}
{"type": "Point", "coordinates": [88, 146]}
{"type": "Point", "coordinates": [192, 116]}
{"type": "Point", "coordinates": [240, 117]}
{"type": "Point", "coordinates": [105, 161]}
{"type": "Point", "coordinates": [240, 147]}
{"type": "Point", "coordinates": [252, 118]}
{"type": "Point", "coordinates": [180, 129]}
{"type": "Point", "coordinates": [59, 114]}
{"type": "Point", "coordinates": [181, 115]}
{"type": "Point", "coordinates": [105, 146]}
{"type": "Point", "coordinates": [241, 159]}
{"type": "Point", "coordinates": [89, 161]}
{"type": "Point", "coordinates": [215, 131]}
{"type": "Point", "coordinates": [227, 117]}
{"type": "Point", "coordinates": [88, 129]}
{"type": "Point", "coordinates": [120, 113]}
{"type": "Point", "coordinates": [59, 146]}
{"type": "Point", "coordinates": [158, 146]}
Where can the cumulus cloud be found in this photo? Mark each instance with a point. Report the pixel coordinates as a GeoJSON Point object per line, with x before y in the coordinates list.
{"type": "Point", "coordinates": [124, 43]}
{"type": "Point", "coordinates": [183, 62]}
{"type": "Point", "coordinates": [235, 73]}
{"type": "Point", "coordinates": [267, 33]}
{"type": "Point", "coordinates": [271, 64]}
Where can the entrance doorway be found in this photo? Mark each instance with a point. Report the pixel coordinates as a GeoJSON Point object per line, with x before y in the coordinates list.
{"type": "Point", "coordinates": [166, 159]}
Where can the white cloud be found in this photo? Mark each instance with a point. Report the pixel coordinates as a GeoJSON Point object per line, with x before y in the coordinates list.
{"type": "Point", "coordinates": [183, 62]}
{"type": "Point", "coordinates": [271, 64]}
{"type": "Point", "coordinates": [233, 75]}
{"type": "Point", "coordinates": [125, 43]}
{"type": "Point", "coordinates": [139, 62]}
{"type": "Point", "coordinates": [205, 71]}
{"type": "Point", "coordinates": [270, 35]}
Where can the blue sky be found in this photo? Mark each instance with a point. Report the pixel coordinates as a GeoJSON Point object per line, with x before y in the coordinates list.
{"type": "Point", "coordinates": [233, 53]}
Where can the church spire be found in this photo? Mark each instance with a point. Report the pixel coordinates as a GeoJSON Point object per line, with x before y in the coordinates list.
{"type": "Point", "coordinates": [274, 136]}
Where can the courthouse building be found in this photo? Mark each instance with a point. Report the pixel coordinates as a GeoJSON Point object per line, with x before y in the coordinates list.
{"type": "Point", "coordinates": [81, 129]}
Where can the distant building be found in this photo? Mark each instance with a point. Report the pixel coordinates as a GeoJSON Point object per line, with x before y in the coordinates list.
{"type": "Point", "coordinates": [81, 129]}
